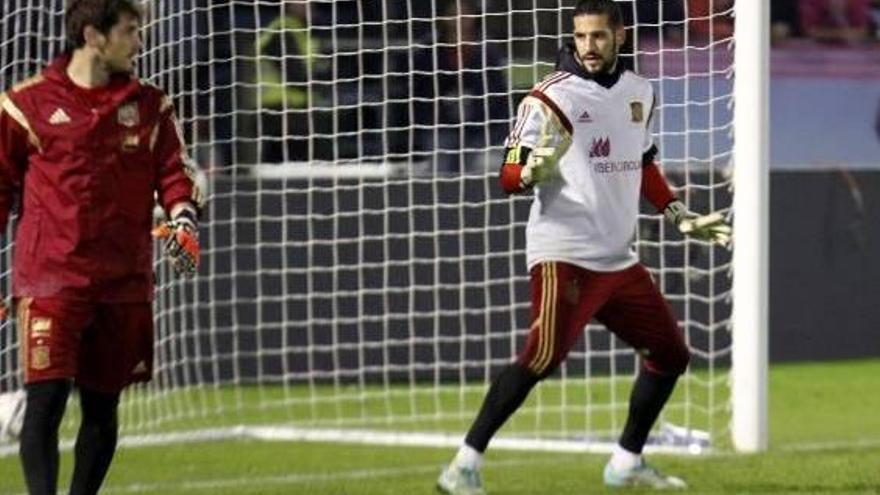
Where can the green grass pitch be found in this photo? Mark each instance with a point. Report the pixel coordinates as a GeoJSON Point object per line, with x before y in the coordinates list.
{"type": "Point", "coordinates": [824, 438]}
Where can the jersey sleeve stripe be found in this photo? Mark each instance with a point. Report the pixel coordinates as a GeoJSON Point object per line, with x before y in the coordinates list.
{"type": "Point", "coordinates": [552, 79]}
{"type": "Point", "coordinates": [154, 136]}
{"type": "Point", "coordinates": [165, 104]}
{"type": "Point", "coordinates": [7, 105]}
{"type": "Point", "coordinates": [555, 108]}
{"type": "Point", "coordinates": [525, 110]}
{"type": "Point", "coordinates": [27, 83]}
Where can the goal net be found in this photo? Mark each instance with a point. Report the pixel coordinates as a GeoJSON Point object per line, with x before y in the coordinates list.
{"type": "Point", "coordinates": [363, 277]}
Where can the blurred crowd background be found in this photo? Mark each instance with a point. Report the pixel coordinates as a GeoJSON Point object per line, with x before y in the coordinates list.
{"type": "Point", "coordinates": [434, 83]}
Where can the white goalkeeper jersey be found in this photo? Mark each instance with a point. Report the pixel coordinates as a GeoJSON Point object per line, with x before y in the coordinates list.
{"type": "Point", "coordinates": [587, 216]}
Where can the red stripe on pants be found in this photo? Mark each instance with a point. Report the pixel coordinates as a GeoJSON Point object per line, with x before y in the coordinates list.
{"type": "Point", "coordinates": [566, 297]}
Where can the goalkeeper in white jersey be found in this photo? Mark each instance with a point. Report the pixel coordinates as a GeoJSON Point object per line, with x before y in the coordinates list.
{"type": "Point", "coordinates": [582, 141]}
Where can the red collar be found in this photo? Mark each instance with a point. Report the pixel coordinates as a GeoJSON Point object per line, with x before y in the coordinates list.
{"type": "Point", "coordinates": [118, 89]}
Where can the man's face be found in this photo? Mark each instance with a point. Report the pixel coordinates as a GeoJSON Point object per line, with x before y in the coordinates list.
{"type": "Point", "coordinates": [122, 44]}
{"type": "Point", "coordinates": [596, 42]}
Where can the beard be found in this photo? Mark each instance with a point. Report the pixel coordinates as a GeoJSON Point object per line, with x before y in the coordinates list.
{"type": "Point", "coordinates": [608, 64]}
{"type": "Point", "coordinates": [115, 64]}
{"type": "Point", "coordinates": [120, 68]}
{"type": "Point", "coordinates": [606, 67]}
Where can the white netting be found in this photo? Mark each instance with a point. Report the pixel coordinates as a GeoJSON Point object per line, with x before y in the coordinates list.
{"type": "Point", "coordinates": [361, 269]}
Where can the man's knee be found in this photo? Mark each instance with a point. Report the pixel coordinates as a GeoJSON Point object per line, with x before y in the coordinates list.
{"type": "Point", "coordinates": [38, 447]}
{"type": "Point", "coordinates": [100, 408]}
{"type": "Point", "coordinates": [673, 362]}
{"type": "Point", "coordinates": [46, 399]}
{"type": "Point", "coordinates": [44, 408]}
{"type": "Point", "coordinates": [680, 360]}
{"type": "Point", "coordinates": [541, 368]}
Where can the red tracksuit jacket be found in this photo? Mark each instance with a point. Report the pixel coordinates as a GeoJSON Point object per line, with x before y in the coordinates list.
{"type": "Point", "coordinates": [86, 163]}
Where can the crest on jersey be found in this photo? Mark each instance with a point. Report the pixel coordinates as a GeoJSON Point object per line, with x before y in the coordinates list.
{"type": "Point", "coordinates": [40, 326]}
{"type": "Point", "coordinates": [130, 143]}
{"type": "Point", "coordinates": [128, 115]}
{"type": "Point", "coordinates": [600, 148]}
{"type": "Point", "coordinates": [40, 357]}
{"type": "Point", "coordinates": [637, 111]}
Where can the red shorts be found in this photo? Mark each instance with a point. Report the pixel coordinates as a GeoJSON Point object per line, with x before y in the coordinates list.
{"type": "Point", "coordinates": [102, 346]}
{"type": "Point", "coordinates": [566, 297]}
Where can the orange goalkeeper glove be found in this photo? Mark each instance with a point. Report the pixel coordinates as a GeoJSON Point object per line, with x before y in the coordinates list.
{"type": "Point", "coordinates": [181, 242]}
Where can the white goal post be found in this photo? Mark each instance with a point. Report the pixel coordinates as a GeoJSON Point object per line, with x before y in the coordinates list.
{"type": "Point", "coordinates": [364, 278]}
{"type": "Point", "coordinates": [751, 258]}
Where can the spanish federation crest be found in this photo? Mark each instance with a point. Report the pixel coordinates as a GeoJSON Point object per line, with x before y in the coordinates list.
{"type": "Point", "coordinates": [40, 357]}
{"type": "Point", "coordinates": [130, 142]}
{"type": "Point", "coordinates": [127, 115]}
{"type": "Point", "coordinates": [636, 111]}
{"type": "Point", "coordinates": [40, 326]}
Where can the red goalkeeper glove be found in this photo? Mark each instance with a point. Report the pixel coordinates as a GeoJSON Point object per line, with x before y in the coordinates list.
{"type": "Point", "coordinates": [541, 165]}
{"type": "Point", "coordinates": [181, 242]}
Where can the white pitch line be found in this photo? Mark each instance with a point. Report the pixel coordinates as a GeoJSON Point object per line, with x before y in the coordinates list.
{"type": "Point", "coordinates": [367, 437]}
{"type": "Point", "coordinates": [294, 479]}
{"type": "Point", "coordinates": [280, 480]}
{"type": "Point", "coordinates": [299, 479]}
{"type": "Point", "coordinates": [867, 443]}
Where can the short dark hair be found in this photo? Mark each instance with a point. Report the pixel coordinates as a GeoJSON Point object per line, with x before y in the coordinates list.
{"type": "Point", "coordinates": [100, 14]}
{"type": "Point", "coordinates": [601, 7]}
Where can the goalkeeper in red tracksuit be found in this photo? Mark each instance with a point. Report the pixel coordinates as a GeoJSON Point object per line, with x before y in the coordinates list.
{"type": "Point", "coordinates": [86, 148]}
